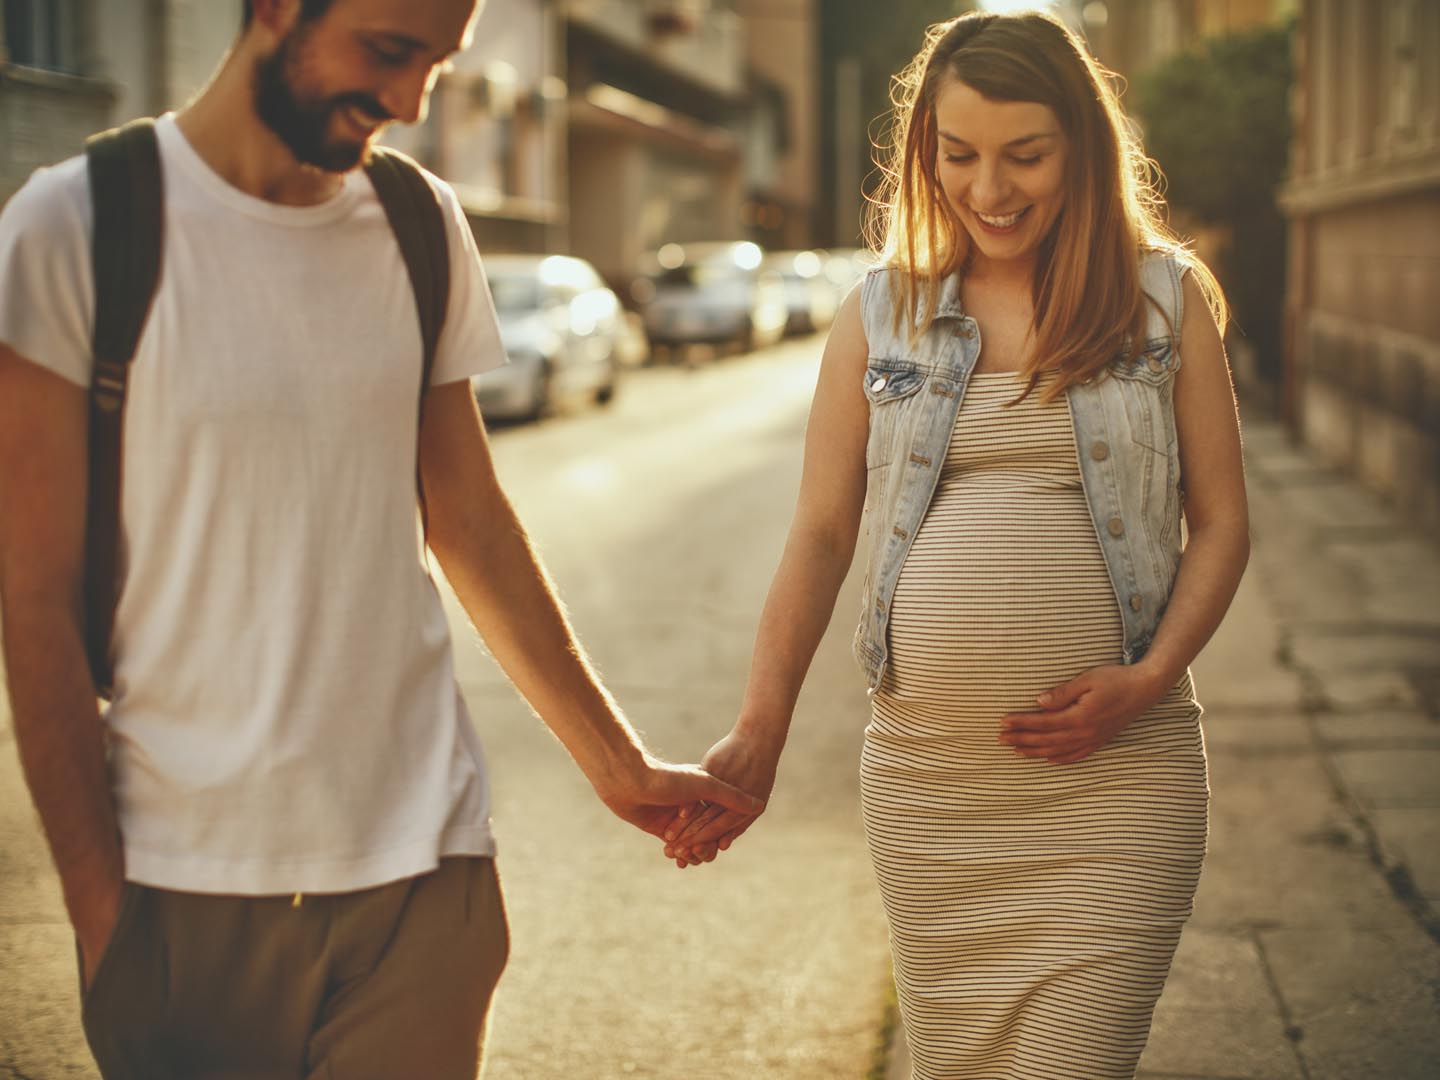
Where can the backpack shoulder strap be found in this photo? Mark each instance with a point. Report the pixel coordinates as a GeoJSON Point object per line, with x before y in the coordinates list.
{"type": "Point", "coordinates": [415, 216]}
{"type": "Point", "coordinates": [418, 222]}
{"type": "Point", "coordinates": [127, 194]}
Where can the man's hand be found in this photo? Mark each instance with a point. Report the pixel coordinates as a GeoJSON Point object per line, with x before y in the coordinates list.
{"type": "Point", "coordinates": [698, 834]}
{"type": "Point", "coordinates": [652, 796]}
{"type": "Point", "coordinates": [94, 918]}
{"type": "Point", "coordinates": [1084, 714]}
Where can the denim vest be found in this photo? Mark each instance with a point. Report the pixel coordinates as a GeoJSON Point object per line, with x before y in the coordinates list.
{"type": "Point", "coordinates": [1124, 439]}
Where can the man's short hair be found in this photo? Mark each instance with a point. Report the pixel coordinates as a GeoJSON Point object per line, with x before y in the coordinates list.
{"type": "Point", "coordinates": [309, 9]}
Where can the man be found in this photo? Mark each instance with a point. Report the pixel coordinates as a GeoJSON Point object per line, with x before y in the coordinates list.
{"type": "Point", "coordinates": [274, 844]}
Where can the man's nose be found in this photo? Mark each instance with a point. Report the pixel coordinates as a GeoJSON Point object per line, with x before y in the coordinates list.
{"type": "Point", "coordinates": [407, 98]}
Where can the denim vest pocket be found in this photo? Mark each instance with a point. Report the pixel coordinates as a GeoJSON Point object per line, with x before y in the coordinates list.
{"type": "Point", "coordinates": [888, 383]}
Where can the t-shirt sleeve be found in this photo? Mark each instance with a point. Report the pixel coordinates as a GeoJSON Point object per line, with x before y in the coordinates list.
{"type": "Point", "coordinates": [470, 342]}
{"type": "Point", "coordinates": [46, 281]}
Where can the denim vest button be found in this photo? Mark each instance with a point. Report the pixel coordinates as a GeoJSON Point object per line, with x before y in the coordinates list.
{"type": "Point", "coordinates": [1116, 527]}
{"type": "Point", "coordinates": [877, 385]}
{"type": "Point", "coordinates": [1100, 451]}
{"type": "Point", "coordinates": [1136, 602]}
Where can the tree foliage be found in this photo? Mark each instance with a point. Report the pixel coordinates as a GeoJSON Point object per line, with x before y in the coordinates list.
{"type": "Point", "coordinates": [1217, 119]}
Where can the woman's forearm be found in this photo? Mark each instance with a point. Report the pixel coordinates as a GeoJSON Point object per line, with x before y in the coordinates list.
{"type": "Point", "coordinates": [796, 614]}
{"type": "Point", "coordinates": [1210, 572]}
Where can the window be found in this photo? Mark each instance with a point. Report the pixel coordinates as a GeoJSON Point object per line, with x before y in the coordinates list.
{"type": "Point", "coordinates": [42, 33]}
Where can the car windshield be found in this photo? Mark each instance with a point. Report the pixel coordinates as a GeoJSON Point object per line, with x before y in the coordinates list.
{"type": "Point", "coordinates": [515, 292]}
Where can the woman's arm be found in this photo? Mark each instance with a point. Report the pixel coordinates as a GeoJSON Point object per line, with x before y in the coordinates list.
{"type": "Point", "coordinates": [802, 595]}
{"type": "Point", "coordinates": [1090, 710]}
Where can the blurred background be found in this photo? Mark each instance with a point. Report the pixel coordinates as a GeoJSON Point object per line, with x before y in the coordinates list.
{"type": "Point", "coordinates": [1300, 138]}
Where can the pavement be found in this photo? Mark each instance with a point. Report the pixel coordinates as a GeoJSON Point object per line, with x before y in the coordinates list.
{"type": "Point", "coordinates": [1314, 950]}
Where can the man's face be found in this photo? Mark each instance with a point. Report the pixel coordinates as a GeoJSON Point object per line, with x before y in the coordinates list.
{"type": "Point", "coordinates": [331, 84]}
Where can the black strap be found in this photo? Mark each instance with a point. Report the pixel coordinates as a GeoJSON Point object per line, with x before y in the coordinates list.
{"type": "Point", "coordinates": [127, 193]}
{"type": "Point", "coordinates": [418, 223]}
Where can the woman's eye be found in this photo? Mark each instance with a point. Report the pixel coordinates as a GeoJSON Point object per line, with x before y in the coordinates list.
{"type": "Point", "coordinates": [1027, 160]}
{"type": "Point", "coordinates": [959, 159]}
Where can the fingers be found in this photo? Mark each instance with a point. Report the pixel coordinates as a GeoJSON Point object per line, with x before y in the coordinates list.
{"type": "Point", "coordinates": [706, 831]}
{"type": "Point", "coordinates": [1042, 721]}
{"type": "Point", "coordinates": [1062, 696]}
{"type": "Point", "coordinates": [729, 796]}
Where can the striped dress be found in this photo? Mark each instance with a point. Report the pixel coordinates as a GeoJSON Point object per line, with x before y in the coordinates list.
{"type": "Point", "coordinates": [1034, 908]}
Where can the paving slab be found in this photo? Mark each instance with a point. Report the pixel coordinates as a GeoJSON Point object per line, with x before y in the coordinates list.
{"type": "Point", "coordinates": [1377, 729]}
{"type": "Point", "coordinates": [1391, 778]}
{"type": "Point", "coordinates": [1256, 733]}
{"type": "Point", "coordinates": [1284, 852]}
{"type": "Point", "coordinates": [1410, 837]}
{"type": "Point", "coordinates": [1363, 1001]}
{"type": "Point", "coordinates": [1380, 690]}
{"type": "Point", "coordinates": [1213, 1043]}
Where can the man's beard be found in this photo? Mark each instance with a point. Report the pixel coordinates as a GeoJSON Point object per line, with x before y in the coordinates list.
{"type": "Point", "coordinates": [303, 122]}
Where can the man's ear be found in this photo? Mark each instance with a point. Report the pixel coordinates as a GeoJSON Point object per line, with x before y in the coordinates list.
{"type": "Point", "coordinates": [275, 17]}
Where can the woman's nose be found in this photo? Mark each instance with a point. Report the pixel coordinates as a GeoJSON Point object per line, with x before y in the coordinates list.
{"type": "Point", "coordinates": [989, 189]}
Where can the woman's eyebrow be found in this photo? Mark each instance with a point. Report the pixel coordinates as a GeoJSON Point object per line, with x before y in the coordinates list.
{"type": "Point", "coordinates": [1013, 142]}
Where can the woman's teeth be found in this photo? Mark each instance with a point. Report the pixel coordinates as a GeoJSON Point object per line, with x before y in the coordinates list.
{"type": "Point", "coordinates": [1001, 222]}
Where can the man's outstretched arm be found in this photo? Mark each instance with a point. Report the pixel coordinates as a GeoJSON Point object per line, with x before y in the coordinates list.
{"type": "Point", "coordinates": [43, 422]}
{"type": "Point", "coordinates": [497, 575]}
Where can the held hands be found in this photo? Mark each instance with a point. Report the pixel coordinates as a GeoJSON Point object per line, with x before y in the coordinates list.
{"type": "Point", "coordinates": [698, 833]}
{"type": "Point", "coordinates": [650, 796]}
{"type": "Point", "coordinates": [1084, 714]}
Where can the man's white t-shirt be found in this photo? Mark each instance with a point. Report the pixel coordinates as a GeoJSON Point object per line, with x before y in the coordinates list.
{"type": "Point", "coordinates": [286, 716]}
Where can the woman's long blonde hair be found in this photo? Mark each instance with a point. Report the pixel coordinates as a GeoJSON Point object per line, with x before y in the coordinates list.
{"type": "Point", "coordinates": [1089, 306]}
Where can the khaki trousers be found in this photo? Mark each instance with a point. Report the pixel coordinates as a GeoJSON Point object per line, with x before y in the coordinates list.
{"type": "Point", "coordinates": [391, 983]}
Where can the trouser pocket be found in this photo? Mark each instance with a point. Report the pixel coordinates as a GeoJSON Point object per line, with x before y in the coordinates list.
{"type": "Point", "coordinates": [122, 1008]}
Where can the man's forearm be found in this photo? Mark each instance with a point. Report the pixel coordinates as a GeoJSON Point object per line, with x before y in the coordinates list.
{"type": "Point", "coordinates": [503, 586]}
{"type": "Point", "coordinates": [62, 753]}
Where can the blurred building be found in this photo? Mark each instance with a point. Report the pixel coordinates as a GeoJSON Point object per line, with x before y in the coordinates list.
{"type": "Point", "coordinates": [689, 121]}
{"type": "Point", "coordinates": [1130, 36]}
{"type": "Point", "coordinates": [496, 128]}
{"type": "Point", "coordinates": [1363, 357]}
{"type": "Point", "coordinates": [72, 67]}
{"type": "Point", "coordinates": [601, 128]}
{"type": "Point", "coordinates": [657, 107]}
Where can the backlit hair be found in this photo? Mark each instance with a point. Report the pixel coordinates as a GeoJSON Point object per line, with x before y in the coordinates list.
{"type": "Point", "coordinates": [1089, 306]}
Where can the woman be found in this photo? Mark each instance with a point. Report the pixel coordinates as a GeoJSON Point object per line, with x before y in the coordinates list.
{"type": "Point", "coordinates": [1006, 401]}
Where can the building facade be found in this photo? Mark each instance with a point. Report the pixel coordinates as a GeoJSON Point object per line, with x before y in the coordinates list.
{"type": "Point", "coordinates": [600, 128]}
{"type": "Point", "coordinates": [1363, 202]}
{"type": "Point", "coordinates": [72, 67]}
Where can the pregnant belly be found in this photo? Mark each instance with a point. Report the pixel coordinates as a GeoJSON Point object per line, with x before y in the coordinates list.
{"type": "Point", "coordinates": [999, 600]}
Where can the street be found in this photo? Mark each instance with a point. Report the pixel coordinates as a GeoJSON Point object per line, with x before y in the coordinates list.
{"type": "Point", "coordinates": [1312, 954]}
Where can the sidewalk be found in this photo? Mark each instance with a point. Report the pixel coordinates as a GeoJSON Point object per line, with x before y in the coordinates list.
{"type": "Point", "coordinates": [1314, 951]}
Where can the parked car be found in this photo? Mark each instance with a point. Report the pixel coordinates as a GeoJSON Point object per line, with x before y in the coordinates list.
{"type": "Point", "coordinates": [716, 293]}
{"type": "Point", "coordinates": [810, 299]}
{"type": "Point", "coordinates": [563, 330]}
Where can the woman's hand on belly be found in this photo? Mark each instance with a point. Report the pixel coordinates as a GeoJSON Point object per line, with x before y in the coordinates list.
{"type": "Point", "coordinates": [1083, 715]}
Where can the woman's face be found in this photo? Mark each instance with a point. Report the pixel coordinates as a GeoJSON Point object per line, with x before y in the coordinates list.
{"type": "Point", "coordinates": [1001, 165]}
